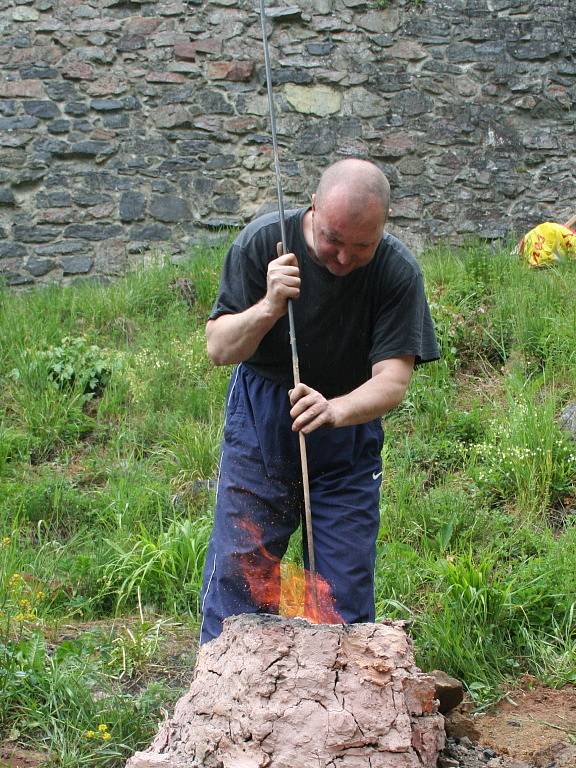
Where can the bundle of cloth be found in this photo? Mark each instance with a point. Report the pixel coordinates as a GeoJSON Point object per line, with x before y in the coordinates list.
{"type": "Point", "coordinates": [548, 244]}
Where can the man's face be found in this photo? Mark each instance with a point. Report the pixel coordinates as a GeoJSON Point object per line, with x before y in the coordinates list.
{"type": "Point", "coordinates": [344, 242]}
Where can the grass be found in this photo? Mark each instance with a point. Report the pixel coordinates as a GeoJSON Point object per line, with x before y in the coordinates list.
{"type": "Point", "coordinates": [110, 424]}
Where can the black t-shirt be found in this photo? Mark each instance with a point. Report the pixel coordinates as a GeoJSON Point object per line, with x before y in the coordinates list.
{"type": "Point", "coordinates": [343, 324]}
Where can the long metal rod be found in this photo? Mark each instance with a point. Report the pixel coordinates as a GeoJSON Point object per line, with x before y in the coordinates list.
{"type": "Point", "coordinates": [295, 364]}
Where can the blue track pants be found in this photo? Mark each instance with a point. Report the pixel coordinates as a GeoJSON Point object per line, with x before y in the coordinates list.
{"type": "Point", "coordinates": [260, 481]}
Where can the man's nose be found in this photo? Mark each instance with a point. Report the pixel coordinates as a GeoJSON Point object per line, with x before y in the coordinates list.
{"type": "Point", "coordinates": [343, 257]}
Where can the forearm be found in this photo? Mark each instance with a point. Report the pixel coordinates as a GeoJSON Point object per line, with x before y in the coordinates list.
{"type": "Point", "coordinates": [234, 338]}
{"type": "Point", "coordinates": [374, 398]}
{"type": "Point", "coordinates": [371, 400]}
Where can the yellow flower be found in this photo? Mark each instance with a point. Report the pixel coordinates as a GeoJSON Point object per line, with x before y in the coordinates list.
{"type": "Point", "coordinates": [91, 734]}
{"type": "Point", "coordinates": [15, 580]}
{"type": "Point", "coordinates": [102, 727]}
{"type": "Point", "coordinates": [5, 541]}
{"type": "Point", "coordinates": [106, 736]}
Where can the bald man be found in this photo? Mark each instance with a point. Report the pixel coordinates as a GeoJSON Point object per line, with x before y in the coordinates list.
{"type": "Point", "coordinates": [362, 323]}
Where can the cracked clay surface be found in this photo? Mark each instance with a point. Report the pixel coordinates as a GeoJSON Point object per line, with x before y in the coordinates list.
{"type": "Point", "coordinates": [283, 693]}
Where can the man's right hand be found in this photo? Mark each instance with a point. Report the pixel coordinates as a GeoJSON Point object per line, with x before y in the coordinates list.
{"type": "Point", "coordinates": [235, 337]}
{"type": "Point", "coordinates": [282, 282]}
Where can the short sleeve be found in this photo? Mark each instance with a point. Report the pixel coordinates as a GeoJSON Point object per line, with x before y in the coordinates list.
{"type": "Point", "coordinates": [242, 282]}
{"type": "Point", "coordinates": [403, 324]}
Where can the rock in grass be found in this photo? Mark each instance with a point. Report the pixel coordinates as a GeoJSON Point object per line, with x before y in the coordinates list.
{"type": "Point", "coordinates": [568, 419]}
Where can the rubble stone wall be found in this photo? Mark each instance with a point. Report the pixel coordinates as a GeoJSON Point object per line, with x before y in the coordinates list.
{"type": "Point", "coordinates": [132, 126]}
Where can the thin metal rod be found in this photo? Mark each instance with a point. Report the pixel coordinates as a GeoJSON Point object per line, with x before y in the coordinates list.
{"type": "Point", "coordinates": [295, 363]}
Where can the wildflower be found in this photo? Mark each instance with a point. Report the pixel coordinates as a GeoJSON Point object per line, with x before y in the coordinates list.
{"type": "Point", "coordinates": [102, 727]}
{"type": "Point", "coordinates": [106, 736]}
{"type": "Point", "coordinates": [15, 580]}
{"type": "Point", "coordinates": [5, 541]}
{"type": "Point", "coordinates": [91, 734]}
{"type": "Point", "coordinates": [28, 616]}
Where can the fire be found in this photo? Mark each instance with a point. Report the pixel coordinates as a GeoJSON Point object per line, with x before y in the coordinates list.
{"type": "Point", "coordinates": [285, 588]}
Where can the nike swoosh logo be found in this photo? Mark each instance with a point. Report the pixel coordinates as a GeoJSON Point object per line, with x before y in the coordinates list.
{"type": "Point", "coordinates": [376, 475]}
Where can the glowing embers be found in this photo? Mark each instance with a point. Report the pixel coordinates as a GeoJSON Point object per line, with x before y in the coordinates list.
{"type": "Point", "coordinates": [285, 588]}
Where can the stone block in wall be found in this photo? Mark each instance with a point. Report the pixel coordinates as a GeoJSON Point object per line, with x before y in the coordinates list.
{"type": "Point", "coordinates": [210, 101]}
{"type": "Point", "coordinates": [11, 275]}
{"type": "Point", "coordinates": [76, 265]}
{"type": "Point", "coordinates": [93, 231]}
{"type": "Point", "coordinates": [76, 108]}
{"type": "Point", "coordinates": [316, 100]}
{"type": "Point", "coordinates": [56, 216]}
{"type": "Point", "coordinates": [23, 14]}
{"type": "Point", "coordinates": [62, 247]}
{"type": "Point", "coordinates": [169, 208]}
{"type": "Point", "coordinates": [165, 77]}
{"type": "Point", "coordinates": [365, 103]}
{"type": "Point", "coordinates": [140, 25]}
{"type": "Point", "coordinates": [152, 232]}
{"type": "Point", "coordinates": [407, 49]}
{"type": "Point", "coordinates": [189, 51]}
{"type": "Point", "coordinates": [41, 108]}
{"type": "Point", "coordinates": [411, 103]}
{"type": "Point", "coordinates": [7, 196]}
{"type": "Point", "coordinates": [77, 70]}
{"type": "Point", "coordinates": [59, 126]}
{"type": "Point", "coordinates": [185, 51]}
{"type": "Point", "coordinates": [316, 139]}
{"type": "Point", "coordinates": [170, 116]}
{"type": "Point", "coordinates": [130, 43]}
{"type": "Point", "coordinates": [111, 257]}
{"type": "Point", "coordinates": [39, 267]}
{"type": "Point", "coordinates": [132, 206]}
{"type": "Point", "coordinates": [26, 233]}
{"type": "Point", "coordinates": [395, 144]}
{"type": "Point", "coordinates": [237, 71]}
{"type": "Point", "coordinates": [24, 123]}
{"type": "Point", "coordinates": [27, 89]}
{"type": "Point", "coordinates": [11, 250]}
{"type": "Point", "coordinates": [109, 85]}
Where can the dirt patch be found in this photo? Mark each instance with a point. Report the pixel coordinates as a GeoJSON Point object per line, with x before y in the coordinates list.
{"type": "Point", "coordinates": [12, 757]}
{"type": "Point", "coordinates": [531, 722]}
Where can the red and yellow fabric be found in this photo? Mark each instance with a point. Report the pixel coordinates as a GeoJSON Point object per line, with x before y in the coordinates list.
{"type": "Point", "coordinates": [547, 244]}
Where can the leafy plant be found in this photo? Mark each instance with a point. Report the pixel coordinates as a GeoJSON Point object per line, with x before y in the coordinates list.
{"type": "Point", "coordinates": [75, 363]}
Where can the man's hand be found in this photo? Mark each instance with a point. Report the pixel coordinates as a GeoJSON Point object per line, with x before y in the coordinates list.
{"type": "Point", "coordinates": [311, 410]}
{"type": "Point", "coordinates": [282, 282]}
{"type": "Point", "coordinates": [235, 337]}
{"type": "Point", "coordinates": [382, 392]}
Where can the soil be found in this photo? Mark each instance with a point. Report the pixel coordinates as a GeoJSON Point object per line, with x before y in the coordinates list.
{"type": "Point", "coordinates": [530, 723]}
{"type": "Point", "coordinates": [12, 757]}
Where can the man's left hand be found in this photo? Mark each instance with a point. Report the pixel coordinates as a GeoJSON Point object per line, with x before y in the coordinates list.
{"type": "Point", "coordinates": [310, 410]}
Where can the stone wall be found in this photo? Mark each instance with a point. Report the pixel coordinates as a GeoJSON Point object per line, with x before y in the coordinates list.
{"type": "Point", "coordinates": [129, 127]}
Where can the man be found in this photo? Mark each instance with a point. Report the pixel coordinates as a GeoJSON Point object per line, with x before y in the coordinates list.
{"type": "Point", "coordinates": [362, 322]}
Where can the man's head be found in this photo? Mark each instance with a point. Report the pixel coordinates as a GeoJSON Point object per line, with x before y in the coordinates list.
{"type": "Point", "coordinates": [348, 214]}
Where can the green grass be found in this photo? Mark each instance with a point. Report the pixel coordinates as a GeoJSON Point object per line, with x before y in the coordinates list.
{"type": "Point", "coordinates": [110, 424]}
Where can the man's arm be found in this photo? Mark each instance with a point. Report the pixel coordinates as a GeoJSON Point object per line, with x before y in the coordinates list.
{"type": "Point", "coordinates": [381, 393]}
{"type": "Point", "coordinates": [235, 337]}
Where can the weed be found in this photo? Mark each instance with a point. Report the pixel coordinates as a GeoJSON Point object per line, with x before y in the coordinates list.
{"type": "Point", "coordinates": [165, 570]}
{"type": "Point", "coordinates": [527, 459]}
{"type": "Point", "coordinates": [76, 363]}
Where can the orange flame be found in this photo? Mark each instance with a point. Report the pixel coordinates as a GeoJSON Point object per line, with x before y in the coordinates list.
{"type": "Point", "coordinates": [285, 588]}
